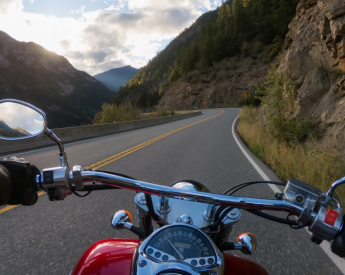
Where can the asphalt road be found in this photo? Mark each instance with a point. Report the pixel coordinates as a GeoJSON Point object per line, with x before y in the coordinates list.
{"type": "Point", "coordinates": [50, 237]}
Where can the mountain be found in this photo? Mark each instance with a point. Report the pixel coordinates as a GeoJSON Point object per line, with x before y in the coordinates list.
{"type": "Point", "coordinates": [211, 56]}
{"type": "Point", "coordinates": [4, 126]}
{"type": "Point", "coordinates": [7, 131]}
{"type": "Point", "coordinates": [33, 74]}
{"type": "Point", "coordinates": [115, 78]}
{"type": "Point", "coordinates": [24, 132]}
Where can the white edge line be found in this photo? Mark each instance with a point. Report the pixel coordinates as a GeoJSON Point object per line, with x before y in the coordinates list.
{"type": "Point", "coordinates": [326, 246]}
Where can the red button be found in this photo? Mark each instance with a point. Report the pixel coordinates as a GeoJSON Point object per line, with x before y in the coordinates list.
{"type": "Point", "coordinates": [331, 216]}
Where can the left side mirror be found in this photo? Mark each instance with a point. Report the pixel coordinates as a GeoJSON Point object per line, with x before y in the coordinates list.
{"type": "Point", "coordinates": [20, 120]}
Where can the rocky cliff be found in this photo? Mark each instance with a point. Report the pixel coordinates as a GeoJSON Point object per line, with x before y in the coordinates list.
{"type": "Point", "coordinates": [33, 74]}
{"type": "Point", "coordinates": [222, 85]}
{"type": "Point", "coordinates": [314, 57]}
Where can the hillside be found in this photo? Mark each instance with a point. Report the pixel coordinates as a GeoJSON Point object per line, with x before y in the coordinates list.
{"type": "Point", "coordinates": [314, 59]}
{"type": "Point", "coordinates": [7, 131]}
{"type": "Point", "coordinates": [33, 74]}
{"type": "Point", "coordinates": [232, 33]}
{"type": "Point", "coordinates": [115, 78]}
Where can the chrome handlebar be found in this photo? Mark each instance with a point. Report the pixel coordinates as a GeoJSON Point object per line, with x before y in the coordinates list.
{"type": "Point", "coordinates": [170, 192]}
{"type": "Point", "coordinates": [300, 199]}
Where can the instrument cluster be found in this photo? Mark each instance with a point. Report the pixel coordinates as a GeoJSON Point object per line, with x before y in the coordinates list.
{"type": "Point", "coordinates": [183, 244]}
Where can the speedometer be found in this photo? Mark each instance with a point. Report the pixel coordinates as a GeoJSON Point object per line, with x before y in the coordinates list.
{"type": "Point", "coordinates": [182, 243]}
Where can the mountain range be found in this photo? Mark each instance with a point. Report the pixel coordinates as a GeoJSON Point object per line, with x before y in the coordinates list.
{"type": "Point", "coordinates": [215, 60]}
{"type": "Point", "coordinates": [33, 74]}
{"type": "Point", "coordinates": [7, 131]}
{"type": "Point", "coordinates": [116, 78]}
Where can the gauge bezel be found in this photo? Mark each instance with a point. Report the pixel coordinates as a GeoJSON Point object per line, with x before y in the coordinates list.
{"type": "Point", "coordinates": [202, 247]}
{"type": "Point", "coordinates": [155, 267]}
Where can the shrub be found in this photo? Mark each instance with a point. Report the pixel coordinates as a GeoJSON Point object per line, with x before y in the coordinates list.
{"type": "Point", "coordinates": [276, 46]}
{"type": "Point", "coordinates": [308, 162]}
{"type": "Point", "coordinates": [117, 113]}
{"type": "Point", "coordinates": [277, 96]}
{"type": "Point", "coordinates": [258, 47]}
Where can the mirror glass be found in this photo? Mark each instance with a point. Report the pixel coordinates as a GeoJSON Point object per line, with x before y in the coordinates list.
{"type": "Point", "coordinates": [18, 121]}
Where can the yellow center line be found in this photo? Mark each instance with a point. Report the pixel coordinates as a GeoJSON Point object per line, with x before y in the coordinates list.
{"type": "Point", "coordinates": [111, 159]}
{"type": "Point", "coordinates": [3, 210]}
{"type": "Point", "coordinates": [106, 161]}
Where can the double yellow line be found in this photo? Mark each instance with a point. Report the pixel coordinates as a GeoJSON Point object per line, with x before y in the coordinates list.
{"type": "Point", "coordinates": [106, 161]}
{"type": "Point", "coordinates": [111, 159]}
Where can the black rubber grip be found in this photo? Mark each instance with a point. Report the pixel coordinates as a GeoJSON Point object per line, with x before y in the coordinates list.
{"type": "Point", "coordinates": [5, 185]}
{"type": "Point", "coordinates": [338, 245]}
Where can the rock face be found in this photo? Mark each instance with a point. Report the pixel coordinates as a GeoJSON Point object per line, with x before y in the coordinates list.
{"type": "Point", "coordinates": [223, 85]}
{"type": "Point", "coordinates": [33, 74]}
{"type": "Point", "coordinates": [314, 58]}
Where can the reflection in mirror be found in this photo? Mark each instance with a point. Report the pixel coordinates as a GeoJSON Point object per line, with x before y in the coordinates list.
{"type": "Point", "coordinates": [18, 121]}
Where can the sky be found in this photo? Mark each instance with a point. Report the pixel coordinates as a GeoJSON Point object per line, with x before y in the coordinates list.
{"type": "Point", "coordinates": [17, 115]}
{"type": "Point", "coordinates": [99, 35]}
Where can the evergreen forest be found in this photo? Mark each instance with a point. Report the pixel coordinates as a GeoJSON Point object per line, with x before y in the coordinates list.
{"type": "Point", "coordinates": [215, 35]}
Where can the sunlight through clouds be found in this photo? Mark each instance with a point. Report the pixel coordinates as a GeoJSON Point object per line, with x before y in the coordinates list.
{"type": "Point", "coordinates": [96, 35]}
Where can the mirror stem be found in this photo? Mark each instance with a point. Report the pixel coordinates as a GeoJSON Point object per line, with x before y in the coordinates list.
{"type": "Point", "coordinates": [54, 138]}
{"type": "Point", "coordinates": [62, 154]}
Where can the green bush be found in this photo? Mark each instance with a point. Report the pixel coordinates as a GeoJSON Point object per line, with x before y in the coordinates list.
{"type": "Point", "coordinates": [259, 46]}
{"type": "Point", "coordinates": [296, 129]}
{"type": "Point", "coordinates": [117, 113]}
{"type": "Point", "coordinates": [277, 96]}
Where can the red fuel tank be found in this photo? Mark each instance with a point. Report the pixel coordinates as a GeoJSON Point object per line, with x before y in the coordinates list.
{"type": "Point", "coordinates": [114, 256]}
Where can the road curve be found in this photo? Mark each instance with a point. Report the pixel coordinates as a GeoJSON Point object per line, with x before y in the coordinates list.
{"type": "Point", "coordinates": [49, 237]}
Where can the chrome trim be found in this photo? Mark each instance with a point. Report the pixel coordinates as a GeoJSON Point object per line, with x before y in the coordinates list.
{"type": "Point", "coordinates": [334, 186]}
{"type": "Point", "coordinates": [216, 199]}
{"type": "Point", "coordinates": [54, 138]}
{"type": "Point", "coordinates": [186, 219]}
{"type": "Point", "coordinates": [163, 205]}
{"type": "Point", "coordinates": [32, 107]}
{"type": "Point", "coordinates": [248, 242]}
{"type": "Point", "coordinates": [121, 220]}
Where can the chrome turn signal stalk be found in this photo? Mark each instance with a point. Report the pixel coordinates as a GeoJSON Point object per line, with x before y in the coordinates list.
{"type": "Point", "coordinates": [246, 243]}
{"type": "Point", "coordinates": [121, 219]}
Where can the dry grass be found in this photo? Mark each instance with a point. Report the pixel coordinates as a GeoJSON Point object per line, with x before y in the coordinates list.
{"type": "Point", "coordinates": [160, 112]}
{"type": "Point", "coordinates": [304, 161]}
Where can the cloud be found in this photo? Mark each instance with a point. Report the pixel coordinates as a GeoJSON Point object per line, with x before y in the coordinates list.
{"type": "Point", "coordinates": [8, 6]}
{"type": "Point", "coordinates": [65, 44]}
{"type": "Point", "coordinates": [81, 10]}
{"type": "Point", "coordinates": [121, 33]}
{"type": "Point", "coordinates": [16, 115]}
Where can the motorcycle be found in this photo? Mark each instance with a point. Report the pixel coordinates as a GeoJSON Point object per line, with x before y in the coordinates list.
{"type": "Point", "coordinates": [183, 228]}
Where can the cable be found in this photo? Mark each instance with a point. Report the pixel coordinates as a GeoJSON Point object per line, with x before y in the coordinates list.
{"type": "Point", "coordinates": [296, 226]}
{"type": "Point", "coordinates": [219, 220]}
{"type": "Point", "coordinates": [245, 184]}
{"type": "Point", "coordinates": [270, 217]}
{"type": "Point", "coordinates": [81, 196]}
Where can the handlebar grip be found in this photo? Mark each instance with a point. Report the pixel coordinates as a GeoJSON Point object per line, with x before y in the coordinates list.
{"type": "Point", "coordinates": [338, 245]}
